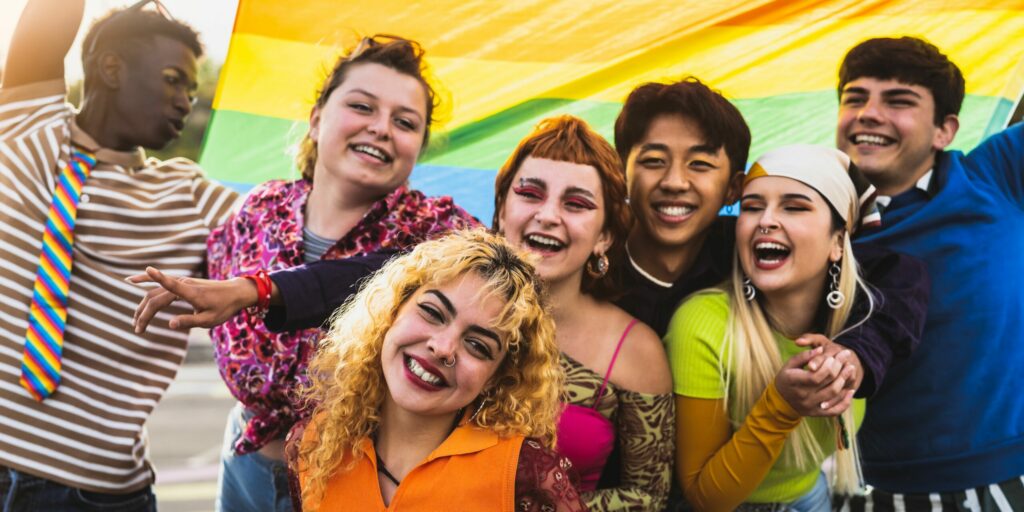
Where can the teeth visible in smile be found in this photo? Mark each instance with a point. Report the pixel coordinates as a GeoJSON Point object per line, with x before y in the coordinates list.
{"type": "Point", "coordinates": [675, 211]}
{"type": "Point", "coordinates": [422, 372]}
{"type": "Point", "coordinates": [372, 151]}
{"type": "Point", "coordinates": [874, 140]}
{"type": "Point", "coordinates": [545, 241]}
{"type": "Point", "coordinates": [770, 252]}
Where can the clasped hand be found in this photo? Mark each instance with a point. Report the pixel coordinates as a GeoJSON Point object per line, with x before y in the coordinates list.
{"type": "Point", "coordinates": [820, 381]}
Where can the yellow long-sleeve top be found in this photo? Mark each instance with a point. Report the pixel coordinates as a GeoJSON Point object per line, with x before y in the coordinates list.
{"type": "Point", "coordinates": [720, 467]}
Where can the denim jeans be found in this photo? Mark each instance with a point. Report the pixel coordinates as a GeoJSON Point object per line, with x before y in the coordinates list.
{"type": "Point", "coordinates": [22, 492]}
{"type": "Point", "coordinates": [818, 499]}
{"type": "Point", "coordinates": [250, 482]}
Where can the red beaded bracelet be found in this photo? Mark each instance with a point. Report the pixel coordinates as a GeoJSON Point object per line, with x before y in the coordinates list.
{"type": "Point", "coordinates": [263, 289]}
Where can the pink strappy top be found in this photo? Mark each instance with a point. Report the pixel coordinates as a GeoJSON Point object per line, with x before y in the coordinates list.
{"type": "Point", "coordinates": [585, 436]}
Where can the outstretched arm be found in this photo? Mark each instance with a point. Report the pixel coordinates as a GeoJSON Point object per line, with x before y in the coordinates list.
{"type": "Point", "coordinates": [309, 294]}
{"type": "Point", "coordinates": [213, 302]}
{"type": "Point", "coordinates": [41, 41]}
{"type": "Point", "coordinates": [301, 297]}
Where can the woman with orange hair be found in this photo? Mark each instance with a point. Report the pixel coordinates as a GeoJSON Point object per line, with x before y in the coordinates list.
{"type": "Point", "coordinates": [562, 195]}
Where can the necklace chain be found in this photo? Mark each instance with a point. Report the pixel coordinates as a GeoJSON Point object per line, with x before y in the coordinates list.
{"type": "Point", "coordinates": [382, 469]}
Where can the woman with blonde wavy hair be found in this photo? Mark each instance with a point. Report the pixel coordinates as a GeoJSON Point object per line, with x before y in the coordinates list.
{"type": "Point", "coordinates": [741, 441]}
{"type": "Point", "coordinates": [440, 374]}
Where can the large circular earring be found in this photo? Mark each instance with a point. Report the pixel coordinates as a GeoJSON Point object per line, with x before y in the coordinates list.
{"type": "Point", "coordinates": [597, 266]}
{"type": "Point", "coordinates": [749, 292]}
{"type": "Point", "coordinates": [835, 298]}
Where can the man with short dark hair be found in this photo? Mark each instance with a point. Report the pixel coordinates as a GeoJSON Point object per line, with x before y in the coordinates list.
{"type": "Point", "coordinates": [684, 148]}
{"type": "Point", "coordinates": [82, 209]}
{"type": "Point", "coordinates": [946, 429]}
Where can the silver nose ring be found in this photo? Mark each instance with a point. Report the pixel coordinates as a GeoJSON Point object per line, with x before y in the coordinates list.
{"type": "Point", "coordinates": [447, 363]}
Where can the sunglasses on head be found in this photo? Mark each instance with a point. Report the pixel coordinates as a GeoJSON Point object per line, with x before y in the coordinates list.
{"type": "Point", "coordinates": [137, 6]}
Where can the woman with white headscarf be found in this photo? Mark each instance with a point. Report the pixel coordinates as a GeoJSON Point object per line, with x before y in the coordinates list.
{"type": "Point", "coordinates": [738, 373]}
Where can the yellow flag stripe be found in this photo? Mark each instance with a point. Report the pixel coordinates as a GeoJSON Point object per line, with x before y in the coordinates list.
{"type": "Point", "coordinates": [742, 61]}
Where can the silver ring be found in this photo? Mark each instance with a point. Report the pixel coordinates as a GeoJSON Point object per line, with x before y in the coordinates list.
{"type": "Point", "coordinates": [448, 364]}
{"type": "Point", "coordinates": [764, 231]}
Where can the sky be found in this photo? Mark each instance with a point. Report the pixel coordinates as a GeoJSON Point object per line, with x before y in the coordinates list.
{"type": "Point", "coordinates": [213, 20]}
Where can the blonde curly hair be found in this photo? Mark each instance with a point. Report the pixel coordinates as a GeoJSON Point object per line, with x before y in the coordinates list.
{"type": "Point", "coordinates": [347, 379]}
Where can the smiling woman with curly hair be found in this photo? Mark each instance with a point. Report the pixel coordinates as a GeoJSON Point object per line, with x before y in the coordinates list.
{"type": "Point", "coordinates": [441, 375]}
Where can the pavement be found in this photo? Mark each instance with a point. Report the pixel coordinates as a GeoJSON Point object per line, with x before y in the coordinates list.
{"type": "Point", "coordinates": [185, 433]}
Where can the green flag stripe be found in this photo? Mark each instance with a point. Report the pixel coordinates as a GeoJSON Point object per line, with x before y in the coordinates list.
{"type": "Point", "coordinates": [245, 148]}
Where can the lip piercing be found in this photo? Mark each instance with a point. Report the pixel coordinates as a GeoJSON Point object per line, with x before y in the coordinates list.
{"type": "Point", "coordinates": [447, 363]}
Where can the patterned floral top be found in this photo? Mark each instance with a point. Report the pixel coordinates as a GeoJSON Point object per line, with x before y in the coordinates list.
{"type": "Point", "coordinates": [645, 432]}
{"type": "Point", "coordinates": [262, 369]}
{"type": "Point", "coordinates": [545, 482]}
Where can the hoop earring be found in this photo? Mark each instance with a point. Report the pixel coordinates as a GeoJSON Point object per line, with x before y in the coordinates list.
{"type": "Point", "coordinates": [749, 292]}
{"type": "Point", "coordinates": [597, 268]}
{"type": "Point", "coordinates": [835, 298]}
{"type": "Point", "coordinates": [478, 408]}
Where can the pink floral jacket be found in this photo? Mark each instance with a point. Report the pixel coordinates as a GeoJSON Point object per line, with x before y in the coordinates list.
{"type": "Point", "coordinates": [263, 369]}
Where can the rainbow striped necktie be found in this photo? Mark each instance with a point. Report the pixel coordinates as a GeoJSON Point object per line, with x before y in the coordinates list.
{"type": "Point", "coordinates": [40, 365]}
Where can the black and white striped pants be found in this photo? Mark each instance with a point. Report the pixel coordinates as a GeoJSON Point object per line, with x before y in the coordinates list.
{"type": "Point", "coordinates": [1007, 496]}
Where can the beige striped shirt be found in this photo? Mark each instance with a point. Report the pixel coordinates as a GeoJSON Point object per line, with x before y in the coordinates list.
{"type": "Point", "coordinates": [133, 212]}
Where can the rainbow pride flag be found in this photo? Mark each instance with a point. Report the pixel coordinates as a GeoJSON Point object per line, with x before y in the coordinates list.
{"type": "Point", "coordinates": [506, 65]}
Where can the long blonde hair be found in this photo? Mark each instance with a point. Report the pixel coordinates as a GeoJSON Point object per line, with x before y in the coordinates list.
{"type": "Point", "coordinates": [347, 380]}
{"type": "Point", "coordinates": [755, 360]}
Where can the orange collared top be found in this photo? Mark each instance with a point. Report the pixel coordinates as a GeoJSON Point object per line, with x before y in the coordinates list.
{"type": "Point", "coordinates": [473, 469]}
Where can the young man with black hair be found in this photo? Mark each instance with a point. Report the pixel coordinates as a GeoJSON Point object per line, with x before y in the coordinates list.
{"type": "Point", "coordinates": [946, 429]}
{"type": "Point", "coordinates": [82, 209]}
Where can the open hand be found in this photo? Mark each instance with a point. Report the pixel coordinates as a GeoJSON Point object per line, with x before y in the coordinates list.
{"type": "Point", "coordinates": [213, 302]}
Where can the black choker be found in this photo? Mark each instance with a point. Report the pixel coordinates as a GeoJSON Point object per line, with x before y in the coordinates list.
{"type": "Point", "coordinates": [380, 462]}
{"type": "Point", "coordinates": [384, 471]}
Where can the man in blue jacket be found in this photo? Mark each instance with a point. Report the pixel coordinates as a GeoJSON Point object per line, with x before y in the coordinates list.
{"type": "Point", "coordinates": [946, 428]}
